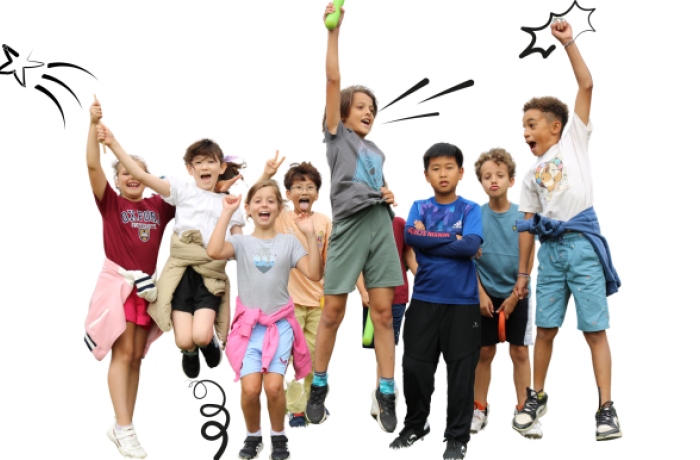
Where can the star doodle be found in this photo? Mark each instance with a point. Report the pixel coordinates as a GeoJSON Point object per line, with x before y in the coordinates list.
{"type": "Point", "coordinates": [18, 66]}
{"type": "Point", "coordinates": [531, 48]}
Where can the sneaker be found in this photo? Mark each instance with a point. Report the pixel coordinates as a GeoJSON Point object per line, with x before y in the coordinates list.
{"type": "Point", "coordinates": [297, 420]}
{"type": "Point", "coordinates": [315, 409]}
{"type": "Point", "coordinates": [542, 404]}
{"type": "Point", "coordinates": [126, 441]}
{"type": "Point", "coordinates": [455, 450]}
{"type": "Point", "coordinates": [408, 436]}
{"type": "Point", "coordinates": [525, 417]}
{"type": "Point", "coordinates": [386, 417]}
{"type": "Point", "coordinates": [212, 353]}
{"type": "Point", "coordinates": [374, 408]}
{"type": "Point", "coordinates": [279, 448]}
{"type": "Point", "coordinates": [480, 419]}
{"type": "Point", "coordinates": [251, 448]}
{"type": "Point", "coordinates": [535, 432]}
{"type": "Point", "coordinates": [607, 423]}
{"type": "Point", "coordinates": [190, 363]}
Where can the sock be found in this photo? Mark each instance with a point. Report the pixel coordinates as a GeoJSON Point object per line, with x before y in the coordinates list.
{"type": "Point", "coordinates": [257, 433]}
{"type": "Point", "coordinates": [118, 428]}
{"type": "Point", "coordinates": [386, 386]}
{"type": "Point", "coordinates": [320, 379]}
{"type": "Point", "coordinates": [274, 433]}
{"type": "Point", "coordinates": [479, 406]}
{"type": "Point", "coordinates": [540, 394]}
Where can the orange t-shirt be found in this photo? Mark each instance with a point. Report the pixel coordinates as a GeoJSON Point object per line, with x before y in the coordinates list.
{"type": "Point", "coordinates": [304, 291]}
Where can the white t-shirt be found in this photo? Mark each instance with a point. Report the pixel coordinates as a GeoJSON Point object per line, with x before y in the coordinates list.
{"type": "Point", "coordinates": [560, 185]}
{"type": "Point", "coordinates": [197, 209]}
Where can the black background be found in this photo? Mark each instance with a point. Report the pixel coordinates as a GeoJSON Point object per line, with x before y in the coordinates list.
{"type": "Point", "coordinates": [252, 77]}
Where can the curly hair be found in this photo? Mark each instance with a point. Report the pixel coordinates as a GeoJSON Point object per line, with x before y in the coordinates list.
{"type": "Point", "coordinates": [346, 97]}
{"type": "Point", "coordinates": [302, 171]}
{"type": "Point", "coordinates": [551, 107]}
{"type": "Point", "coordinates": [498, 156]}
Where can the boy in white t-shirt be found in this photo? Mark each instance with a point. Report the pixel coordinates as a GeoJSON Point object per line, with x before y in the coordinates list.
{"type": "Point", "coordinates": [573, 257]}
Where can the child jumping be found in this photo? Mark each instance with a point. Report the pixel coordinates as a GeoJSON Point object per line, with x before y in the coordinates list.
{"type": "Point", "coordinates": [265, 331]}
{"type": "Point", "coordinates": [498, 272]}
{"type": "Point", "coordinates": [193, 290]}
{"type": "Point", "coordinates": [574, 258]}
{"type": "Point", "coordinates": [132, 228]}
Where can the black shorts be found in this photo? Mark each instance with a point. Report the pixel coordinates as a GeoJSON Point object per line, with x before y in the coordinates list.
{"type": "Point", "coordinates": [518, 329]}
{"type": "Point", "coordinates": [192, 295]}
{"type": "Point", "coordinates": [433, 328]}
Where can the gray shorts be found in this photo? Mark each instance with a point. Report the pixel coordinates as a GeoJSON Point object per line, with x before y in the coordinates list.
{"type": "Point", "coordinates": [363, 243]}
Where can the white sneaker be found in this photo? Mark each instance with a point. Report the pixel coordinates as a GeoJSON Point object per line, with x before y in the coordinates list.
{"type": "Point", "coordinates": [480, 419]}
{"type": "Point", "coordinates": [535, 432]}
{"type": "Point", "coordinates": [126, 441]}
{"type": "Point", "coordinates": [374, 409]}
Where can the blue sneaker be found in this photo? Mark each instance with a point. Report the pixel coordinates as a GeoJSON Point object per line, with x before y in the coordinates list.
{"type": "Point", "coordinates": [297, 420]}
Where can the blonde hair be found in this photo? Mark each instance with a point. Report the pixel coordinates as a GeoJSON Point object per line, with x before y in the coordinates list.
{"type": "Point", "coordinates": [117, 164]}
{"type": "Point", "coordinates": [262, 184]}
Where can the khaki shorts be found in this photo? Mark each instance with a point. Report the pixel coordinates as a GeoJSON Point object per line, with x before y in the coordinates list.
{"type": "Point", "coordinates": [363, 243]}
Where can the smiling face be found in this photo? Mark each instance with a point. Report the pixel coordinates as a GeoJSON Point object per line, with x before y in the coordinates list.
{"type": "Point", "coordinates": [495, 179]}
{"type": "Point", "coordinates": [129, 188]}
{"type": "Point", "coordinates": [302, 194]}
{"type": "Point", "coordinates": [361, 114]}
{"type": "Point", "coordinates": [206, 170]}
{"type": "Point", "coordinates": [443, 174]}
{"type": "Point", "coordinates": [264, 208]}
{"type": "Point", "coordinates": [540, 134]}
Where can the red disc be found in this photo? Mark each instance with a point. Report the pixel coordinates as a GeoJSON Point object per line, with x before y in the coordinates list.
{"type": "Point", "coordinates": [502, 327]}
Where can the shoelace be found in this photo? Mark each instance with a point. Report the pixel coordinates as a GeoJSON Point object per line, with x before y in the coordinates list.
{"type": "Point", "coordinates": [315, 397]}
{"type": "Point", "coordinates": [388, 403]}
{"type": "Point", "coordinates": [605, 416]}
{"type": "Point", "coordinates": [530, 406]}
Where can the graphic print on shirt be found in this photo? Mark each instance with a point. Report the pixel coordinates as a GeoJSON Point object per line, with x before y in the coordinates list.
{"type": "Point", "coordinates": [320, 239]}
{"type": "Point", "coordinates": [369, 168]}
{"type": "Point", "coordinates": [447, 218]}
{"type": "Point", "coordinates": [263, 259]}
{"type": "Point", "coordinates": [142, 221]}
{"type": "Point", "coordinates": [551, 177]}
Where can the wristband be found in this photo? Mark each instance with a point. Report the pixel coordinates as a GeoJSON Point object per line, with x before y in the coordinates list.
{"type": "Point", "coordinates": [525, 275]}
{"type": "Point", "coordinates": [568, 44]}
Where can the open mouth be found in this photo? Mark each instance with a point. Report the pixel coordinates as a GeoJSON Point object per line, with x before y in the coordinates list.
{"type": "Point", "coordinates": [133, 185]}
{"type": "Point", "coordinates": [205, 177]}
{"type": "Point", "coordinates": [264, 215]}
{"type": "Point", "coordinates": [304, 204]}
{"type": "Point", "coordinates": [365, 121]}
{"type": "Point", "coordinates": [532, 146]}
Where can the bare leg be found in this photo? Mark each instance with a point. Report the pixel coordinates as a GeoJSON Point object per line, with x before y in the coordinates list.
{"type": "Point", "coordinates": [182, 327]}
{"type": "Point", "coordinates": [331, 317]}
{"type": "Point", "coordinates": [251, 386]}
{"type": "Point", "coordinates": [203, 327]}
{"type": "Point", "coordinates": [482, 379]}
{"type": "Point", "coordinates": [140, 335]}
{"type": "Point", "coordinates": [543, 354]}
{"type": "Point", "coordinates": [274, 389]}
{"type": "Point", "coordinates": [118, 374]}
{"type": "Point", "coordinates": [520, 355]}
{"type": "Point", "coordinates": [383, 319]}
{"type": "Point", "coordinates": [378, 375]}
{"type": "Point", "coordinates": [602, 362]}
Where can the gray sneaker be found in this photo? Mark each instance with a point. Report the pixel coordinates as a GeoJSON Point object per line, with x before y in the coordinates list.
{"type": "Point", "coordinates": [607, 423]}
{"type": "Point", "coordinates": [315, 407]}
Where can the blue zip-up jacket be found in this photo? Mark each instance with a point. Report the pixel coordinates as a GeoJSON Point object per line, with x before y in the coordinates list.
{"type": "Point", "coordinates": [585, 222]}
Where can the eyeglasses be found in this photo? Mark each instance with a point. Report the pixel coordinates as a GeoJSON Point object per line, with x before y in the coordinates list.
{"type": "Point", "coordinates": [299, 189]}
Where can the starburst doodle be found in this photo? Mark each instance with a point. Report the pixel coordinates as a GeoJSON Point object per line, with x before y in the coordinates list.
{"type": "Point", "coordinates": [545, 53]}
{"type": "Point", "coordinates": [11, 54]}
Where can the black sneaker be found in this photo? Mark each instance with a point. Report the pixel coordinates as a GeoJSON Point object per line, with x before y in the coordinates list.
{"type": "Point", "coordinates": [251, 448]}
{"type": "Point", "coordinates": [607, 424]}
{"type": "Point", "coordinates": [387, 410]}
{"type": "Point", "coordinates": [279, 448]}
{"type": "Point", "coordinates": [408, 436]}
{"type": "Point", "coordinates": [455, 450]}
{"type": "Point", "coordinates": [190, 363]}
{"type": "Point", "coordinates": [524, 418]}
{"type": "Point", "coordinates": [212, 353]}
{"type": "Point", "coordinates": [315, 408]}
{"type": "Point", "coordinates": [542, 398]}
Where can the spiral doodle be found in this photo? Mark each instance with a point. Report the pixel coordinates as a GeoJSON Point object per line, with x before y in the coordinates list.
{"type": "Point", "coordinates": [222, 433]}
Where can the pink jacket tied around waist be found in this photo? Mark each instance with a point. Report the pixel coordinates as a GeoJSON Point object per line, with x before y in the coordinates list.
{"type": "Point", "coordinates": [105, 321]}
{"type": "Point", "coordinates": [245, 320]}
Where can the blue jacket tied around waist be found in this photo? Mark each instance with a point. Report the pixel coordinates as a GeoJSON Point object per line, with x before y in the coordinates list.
{"type": "Point", "coordinates": [585, 222]}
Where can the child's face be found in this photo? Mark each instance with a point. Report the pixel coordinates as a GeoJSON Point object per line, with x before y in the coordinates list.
{"type": "Point", "coordinates": [443, 174]}
{"type": "Point", "coordinates": [206, 170]}
{"type": "Point", "coordinates": [495, 180]}
{"type": "Point", "coordinates": [540, 135]}
{"type": "Point", "coordinates": [302, 194]}
{"type": "Point", "coordinates": [264, 208]}
{"type": "Point", "coordinates": [129, 187]}
{"type": "Point", "coordinates": [360, 119]}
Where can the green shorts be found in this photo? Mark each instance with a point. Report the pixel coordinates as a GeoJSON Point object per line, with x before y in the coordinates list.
{"type": "Point", "coordinates": [363, 243]}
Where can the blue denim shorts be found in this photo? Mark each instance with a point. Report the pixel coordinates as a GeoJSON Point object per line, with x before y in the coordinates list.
{"type": "Point", "coordinates": [571, 266]}
{"type": "Point", "coordinates": [252, 361]}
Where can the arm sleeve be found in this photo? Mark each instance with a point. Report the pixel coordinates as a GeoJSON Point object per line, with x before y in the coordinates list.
{"type": "Point", "coordinates": [328, 137]}
{"type": "Point", "coordinates": [297, 251]}
{"type": "Point", "coordinates": [167, 211]}
{"type": "Point", "coordinates": [237, 218]}
{"type": "Point", "coordinates": [529, 195]}
{"type": "Point", "coordinates": [109, 200]}
{"type": "Point", "coordinates": [423, 239]}
{"type": "Point", "coordinates": [580, 134]}
{"type": "Point", "coordinates": [237, 242]}
{"type": "Point", "coordinates": [177, 191]}
{"type": "Point", "coordinates": [472, 232]}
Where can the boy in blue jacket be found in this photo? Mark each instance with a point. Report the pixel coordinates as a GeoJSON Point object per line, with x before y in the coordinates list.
{"type": "Point", "coordinates": [444, 315]}
{"type": "Point", "coordinates": [574, 258]}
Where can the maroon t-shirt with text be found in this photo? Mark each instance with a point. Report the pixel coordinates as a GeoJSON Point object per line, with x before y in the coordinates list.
{"type": "Point", "coordinates": [132, 230]}
{"type": "Point", "coordinates": [401, 292]}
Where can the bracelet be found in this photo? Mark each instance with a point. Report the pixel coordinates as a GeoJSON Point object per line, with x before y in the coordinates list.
{"type": "Point", "coordinates": [568, 44]}
{"type": "Point", "coordinates": [525, 275]}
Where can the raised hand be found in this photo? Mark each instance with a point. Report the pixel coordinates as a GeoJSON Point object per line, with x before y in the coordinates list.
{"type": "Point", "coordinates": [95, 112]}
{"type": "Point", "coordinates": [562, 31]}
{"type": "Point", "coordinates": [231, 203]}
{"type": "Point", "coordinates": [272, 166]}
{"type": "Point", "coordinates": [104, 135]}
{"type": "Point", "coordinates": [306, 225]}
{"type": "Point", "coordinates": [330, 9]}
{"type": "Point", "coordinates": [223, 185]}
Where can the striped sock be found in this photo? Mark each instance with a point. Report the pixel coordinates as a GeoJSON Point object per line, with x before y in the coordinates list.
{"type": "Point", "coordinates": [320, 379]}
{"type": "Point", "coordinates": [386, 386]}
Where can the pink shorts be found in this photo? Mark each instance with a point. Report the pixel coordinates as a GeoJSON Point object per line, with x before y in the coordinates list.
{"type": "Point", "coordinates": [135, 310]}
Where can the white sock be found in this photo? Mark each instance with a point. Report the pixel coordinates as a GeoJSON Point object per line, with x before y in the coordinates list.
{"type": "Point", "coordinates": [257, 433]}
{"type": "Point", "coordinates": [119, 428]}
{"type": "Point", "coordinates": [274, 433]}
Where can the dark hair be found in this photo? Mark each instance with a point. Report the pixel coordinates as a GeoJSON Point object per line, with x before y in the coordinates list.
{"type": "Point", "coordinates": [205, 147]}
{"type": "Point", "coordinates": [443, 149]}
{"type": "Point", "coordinates": [497, 155]}
{"type": "Point", "coordinates": [232, 170]}
{"type": "Point", "coordinates": [302, 171]}
{"type": "Point", "coordinates": [346, 97]}
{"type": "Point", "coordinates": [551, 107]}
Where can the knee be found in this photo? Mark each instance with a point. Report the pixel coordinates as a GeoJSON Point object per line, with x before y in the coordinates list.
{"type": "Point", "coordinates": [487, 354]}
{"type": "Point", "coordinates": [383, 317]}
{"type": "Point", "coordinates": [595, 338]}
{"type": "Point", "coordinates": [332, 317]}
{"type": "Point", "coordinates": [547, 333]}
{"type": "Point", "coordinates": [136, 361]}
{"type": "Point", "coordinates": [274, 390]}
{"type": "Point", "coordinates": [184, 343]}
{"type": "Point", "coordinates": [124, 355]}
{"type": "Point", "coordinates": [202, 338]}
{"type": "Point", "coordinates": [520, 355]}
{"type": "Point", "coordinates": [250, 392]}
